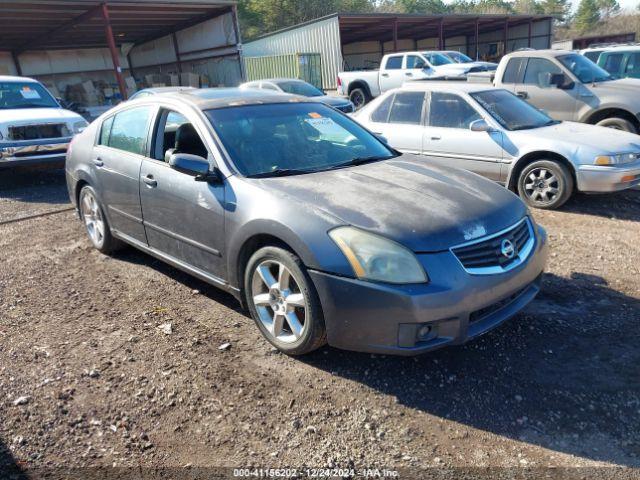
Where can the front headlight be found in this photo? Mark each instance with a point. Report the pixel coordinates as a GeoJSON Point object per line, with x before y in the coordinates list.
{"type": "Point", "coordinates": [373, 257]}
{"type": "Point", "coordinates": [79, 126]}
{"type": "Point", "coordinates": [618, 159]}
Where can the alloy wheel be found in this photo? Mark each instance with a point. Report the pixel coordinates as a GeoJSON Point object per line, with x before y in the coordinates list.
{"type": "Point", "coordinates": [280, 303]}
{"type": "Point", "coordinates": [92, 216]}
{"type": "Point", "coordinates": [358, 100]}
{"type": "Point", "coordinates": [541, 185]}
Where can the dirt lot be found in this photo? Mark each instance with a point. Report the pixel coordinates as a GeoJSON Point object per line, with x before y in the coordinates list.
{"type": "Point", "coordinates": [88, 378]}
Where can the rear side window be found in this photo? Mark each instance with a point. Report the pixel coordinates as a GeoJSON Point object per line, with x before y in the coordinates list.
{"type": "Point", "coordinates": [448, 110]}
{"type": "Point", "coordinates": [537, 68]}
{"type": "Point", "coordinates": [407, 108]}
{"type": "Point", "coordinates": [381, 114]}
{"type": "Point", "coordinates": [105, 131]}
{"type": "Point", "coordinates": [394, 63]}
{"type": "Point", "coordinates": [612, 62]}
{"type": "Point", "coordinates": [511, 73]}
{"type": "Point", "coordinates": [129, 130]}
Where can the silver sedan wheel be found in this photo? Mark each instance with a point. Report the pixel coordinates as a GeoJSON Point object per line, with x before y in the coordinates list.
{"type": "Point", "coordinates": [541, 185]}
{"type": "Point", "coordinates": [92, 216]}
{"type": "Point", "coordinates": [280, 304]}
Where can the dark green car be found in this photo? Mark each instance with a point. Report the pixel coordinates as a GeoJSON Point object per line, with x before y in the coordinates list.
{"type": "Point", "coordinates": [621, 63]}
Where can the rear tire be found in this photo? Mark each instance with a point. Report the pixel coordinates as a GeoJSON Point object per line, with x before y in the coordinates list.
{"type": "Point", "coordinates": [618, 123]}
{"type": "Point", "coordinates": [545, 184]}
{"type": "Point", "coordinates": [359, 97]}
{"type": "Point", "coordinates": [283, 301]}
{"type": "Point", "coordinates": [95, 222]}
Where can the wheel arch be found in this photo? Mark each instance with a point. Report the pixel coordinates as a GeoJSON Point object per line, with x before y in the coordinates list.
{"type": "Point", "coordinates": [522, 162]}
{"type": "Point", "coordinates": [359, 84]}
{"type": "Point", "coordinates": [609, 112]}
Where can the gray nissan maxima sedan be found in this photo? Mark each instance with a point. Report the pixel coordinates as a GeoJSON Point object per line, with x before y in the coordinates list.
{"type": "Point", "coordinates": [324, 232]}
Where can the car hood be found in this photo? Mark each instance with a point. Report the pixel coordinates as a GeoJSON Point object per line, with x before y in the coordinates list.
{"type": "Point", "coordinates": [331, 101]}
{"type": "Point", "coordinates": [582, 136]}
{"type": "Point", "coordinates": [624, 85]}
{"type": "Point", "coordinates": [27, 116]}
{"type": "Point", "coordinates": [423, 207]}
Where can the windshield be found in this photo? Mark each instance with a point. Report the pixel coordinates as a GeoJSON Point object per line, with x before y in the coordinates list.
{"type": "Point", "coordinates": [584, 69]}
{"type": "Point", "coordinates": [437, 59]}
{"type": "Point", "coordinates": [459, 57]}
{"type": "Point", "coordinates": [297, 137]}
{"type": "Point", "coordinates": [300, 88]}
{"type": "Point", "coordinates": [25, 95]}
{"type": "Point", "coordinates": [510, 111]}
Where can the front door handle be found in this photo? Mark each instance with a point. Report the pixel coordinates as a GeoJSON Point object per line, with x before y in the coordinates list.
{"type": "Point", "coordinates": [98, 162]}
{"type": "Point", "coordinates": [384, 74]}
{"type": "Point", "coordinates": [522, 95]}
{"type": "Point", "coordinates": [150, 181]}
{"type": "Point", "coordinates": [409, 74]}
{"type": "Point", "coordinates": [436, 137]}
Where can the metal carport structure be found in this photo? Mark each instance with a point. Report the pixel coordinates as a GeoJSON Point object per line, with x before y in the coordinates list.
{"type": "Point", "coordinates": [38, 25]}
{"type": "Point", "coordinates": [351, 40]}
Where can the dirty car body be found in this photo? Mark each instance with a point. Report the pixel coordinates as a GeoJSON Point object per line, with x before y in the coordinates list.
{"type": "Point", "coordinates": [476, 253]}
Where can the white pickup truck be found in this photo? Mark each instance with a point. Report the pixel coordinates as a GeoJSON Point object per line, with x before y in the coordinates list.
{"type": "Point", "coordinates": [34, 128]}
{"type": "Point", "coordinates": [362, 86]}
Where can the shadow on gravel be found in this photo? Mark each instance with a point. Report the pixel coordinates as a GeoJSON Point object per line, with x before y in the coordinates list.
{"type": "Point", "coordinates": [42, 185]}
{"type": "Point", "coordinates": [9, 469]}
{"type": "Point", "coordinates": [621, 205]}
{"type": "Point", "coordinates": [562, 375]}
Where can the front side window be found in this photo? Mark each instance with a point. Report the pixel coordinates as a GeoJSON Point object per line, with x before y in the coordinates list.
{"type": "Point", "coordinates": [538, 70]}
{"type": "Point", "coordinates": [176, 134]}
{"type": "Point", "coordinates": [300, 88]}
{"type": "Point", "coordinates": [510, 111]}
{"type": "Point", "coordinates": [584, 69]}
{"type": "Point", "coordinates": [129, 130]}
{"type": "Point", "coordinates": [415, 63]}
{"type": "Point", "coordinates": [633, 64]}
{"type": "Point", "coordinates": [394, 63]}
{"type": "Point", "coordinates": [612, 62]}
{"type": "Point", "coordinates": [448, 110]}
{"type": "Point", "coordinates": [25, 95]}
{"type": "Point", "coordinates": [381, 114]}
{"type": "Point", "coordinates": [292, 138]}
{"type": "Point", "coordinates": [407, 108]}
{"type": "Point", "coordinates": [459, 57]}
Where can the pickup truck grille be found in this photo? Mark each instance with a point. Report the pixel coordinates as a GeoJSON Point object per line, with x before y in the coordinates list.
{"type": "Point", "coordinates": [497, 253]}
{"type": "Point", "coordinates": [37, 132]}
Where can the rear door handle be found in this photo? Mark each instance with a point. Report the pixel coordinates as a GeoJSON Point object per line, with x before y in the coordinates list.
{"type": "Point", "coordinates": [98, 162]}
{"type": "Point", "coordinates": [384, 74]}
{"type": "Point", "coordinates": [150, 181]}
{"type": "Point", "coordinates": [409, 74]}
{"type": "Point", "coordinates": [522, 95]}
{"type": "Point", "coordinates": [436, 137]}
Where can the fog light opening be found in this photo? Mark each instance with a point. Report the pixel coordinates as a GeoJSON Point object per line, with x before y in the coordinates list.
{"type": "Point", "coordinates": [425, 333]}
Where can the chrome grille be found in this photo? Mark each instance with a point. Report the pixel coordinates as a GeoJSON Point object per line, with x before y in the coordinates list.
{"type": "Point", "coordinates": [37, 132]}
{"type": "Point", "coordinates": [487, 256]}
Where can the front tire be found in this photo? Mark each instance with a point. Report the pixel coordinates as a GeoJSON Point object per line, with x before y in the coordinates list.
{"type": "Point", "coordinates": [618, 123]}
{"type": "Point", "coordinates": [283, 301]}
{"type": "Point", "coordinates": [95, 222]}
{"type": "Point", "coordinates": [545, 184]}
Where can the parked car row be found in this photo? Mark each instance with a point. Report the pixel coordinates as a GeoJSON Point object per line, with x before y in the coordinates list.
{"type": "Point", "coordinates": [621, 61]}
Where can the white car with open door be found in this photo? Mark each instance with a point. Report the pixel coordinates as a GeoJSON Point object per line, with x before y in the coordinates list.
{"type": "Point", "coordinates": [492, 132]}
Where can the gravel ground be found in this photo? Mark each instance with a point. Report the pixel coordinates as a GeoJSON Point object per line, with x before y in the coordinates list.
{"type": "Point", "coordinates": [116, 362]}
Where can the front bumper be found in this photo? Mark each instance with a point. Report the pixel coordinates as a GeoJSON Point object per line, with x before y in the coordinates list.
{"type": "Point", "coordinates": [595, 178]}
{"type": "Point", "coordinates": [452, 309]}
{"type": "Point", "coordinates": [33, 152]}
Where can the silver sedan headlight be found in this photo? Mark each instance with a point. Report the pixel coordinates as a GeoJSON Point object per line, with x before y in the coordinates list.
{"type": "Point", "coordinates": [376, 258]}
{"type": "Point", "coordinates": [618, 159]}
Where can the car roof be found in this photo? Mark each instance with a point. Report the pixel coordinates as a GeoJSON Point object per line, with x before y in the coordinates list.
{"type": "Point", "coordinates": [16, 79]}
{"type": "Point", "coordinates": [213, 98]}
{"type": "Point", "coordinates": [447, 86]}
{"type": "Point", "coordinates": [165, 89]}
{"type": "Point", "coordinates": [278, 80]}
{"type": "Point", "coordinates": [539, 53]}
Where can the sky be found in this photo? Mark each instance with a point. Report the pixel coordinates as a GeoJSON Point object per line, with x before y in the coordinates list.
{"type": "Point", "coordinates": [625, 4]}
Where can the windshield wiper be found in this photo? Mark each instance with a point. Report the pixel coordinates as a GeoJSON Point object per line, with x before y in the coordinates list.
{"type": "Point", "coordinates": [280, 172]}
{"type": "Point", "coordinates": [359, 161]}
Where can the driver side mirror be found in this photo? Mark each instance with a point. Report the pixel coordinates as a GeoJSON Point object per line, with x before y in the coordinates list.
{"type": "Point", "coordinates": [480, 126]}
{"type": "Point", "coordinates": [194, 165]}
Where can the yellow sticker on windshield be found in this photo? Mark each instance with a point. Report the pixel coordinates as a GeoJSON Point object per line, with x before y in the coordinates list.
{"type": "Point", "coordinates": [315, 115]}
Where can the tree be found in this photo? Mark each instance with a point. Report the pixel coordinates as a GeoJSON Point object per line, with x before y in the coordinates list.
{"type": "Point", "coordinates": [608, 8]}
{"type": "Point", "coordinates": [420, 6]}
{"type": "Point", "coordinates": [527, 6]}
{"type": "Point", "coordinates": [557, 7]}
{"type": "Point", "coordinates": [587, 16]}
